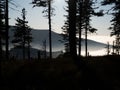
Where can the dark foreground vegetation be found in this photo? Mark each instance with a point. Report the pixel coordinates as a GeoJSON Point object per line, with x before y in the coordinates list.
{"type": "Point", "coordinates": [96, 73]}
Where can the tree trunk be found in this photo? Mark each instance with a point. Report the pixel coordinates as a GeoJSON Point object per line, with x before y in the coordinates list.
{"type": "Point", "coordinates": [50, 36]}
{"type": "Point", "coordinates": [113, 47]}
{"type": "Point", "coordinates": [0, 49]}
{"type": "Point", "coordinates": [23, 49]}
{"type": "Point", "coordinates": [108, 48]}
{"type": "Point", "coordinates": [72, 27]}
{"type": "Point", "coordinates": [7, 31]}
{"type": "Point", "coordinates": [80, 25]}
{"type": "Point", "coordinates": [86, 25]}
{"type": "Point", "coordinates": [0, 58]}
{"type": "Point", "coordinates": [23, 15]}
{"type": "Point", "coordinates": [28, 50]}
{"type": "Point", "coordinates": [86, 29]}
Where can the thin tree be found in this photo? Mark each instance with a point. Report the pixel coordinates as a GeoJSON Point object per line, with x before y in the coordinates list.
{"type": "Point", "coordinates": [2, 32]}
{"type": "Point", "coordinates": [50, 36]}
{"type": "Point", "coordinates": [46, 3]}
{"type": "Point", "coordinates": [2, 26]}
{"type": "Point", "coordinates": [7, 29]}
{"type": "Point", "coordinates": [65, 29]}
{"type": "Point", "coordinates": [80, 18]}
{"type": "Point", "coordinates": [113, 47]}
{"type": "Point", "coordinates": [89, 11]}
{"type": "Point", "coordinates": [44, 49]}
{"type": "Point", "coordinates": [108, 48]}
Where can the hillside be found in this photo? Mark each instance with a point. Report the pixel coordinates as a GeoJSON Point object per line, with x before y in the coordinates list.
{"type": "Point", "coordinates": [41, 35]}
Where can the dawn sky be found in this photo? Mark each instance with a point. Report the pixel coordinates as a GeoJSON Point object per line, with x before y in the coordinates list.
{"type": "Point", "coordinates": [37, 21]}
{"type": "Point", "coordinates": [36, 17]}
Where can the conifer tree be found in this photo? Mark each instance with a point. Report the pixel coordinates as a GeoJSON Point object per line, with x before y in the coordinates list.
{"type": "Point", "coordinates": [115, 21]}
{"type": "Point", "coordinates": [2, 26]}
{"type": "Point", "coordinates": [2, 32]}
{"type": "Point", "coordinates": [22, 35]}
{"type": "Point", "coordinates": [65, 29]}
{"type": "Point", "coordinates": [72, 27]}
{"type": "Point", "coordinates": [88, 12]}
{"type": "Point", "coordinates": [85, 10]}
{"type": "Point", "coordinates": [46, 3]}
{"type": "Point", "coordinates": [7, 29]}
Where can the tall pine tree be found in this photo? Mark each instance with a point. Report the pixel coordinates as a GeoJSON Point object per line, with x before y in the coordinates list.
{"type": "Point", "coordinates": [46, 3]}
{"type": "Point", "coordinates": [65, 29]}
{"type": "Point", "coordinates": [2, 26]}
{"type": "Point", "coordinates": [88, 12]}
{"type": "Point", "coordinates": [22, 35]}
{"type": "Point", "coordinates": [72, 27]}
{"type": "Point", "coordinates": [2, 32]}
{"type": "Point", "coordinates": [84, 11]}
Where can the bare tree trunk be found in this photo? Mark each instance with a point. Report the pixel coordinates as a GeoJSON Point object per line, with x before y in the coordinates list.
{"type": "Point", "coordinates": [80, 26]}
{"type": "Point", "coordinates": [0, 59]}
{"type": "Point", "coordinates": [108, 48]}
{"type": "Point", "coordinates": [23, 50]}
{"type": "Point", "coordinates": [50, 36]}
{"type": "Point", "coordinates": [7, 31]}
{"type": "Point", "coordinates": [86, 49]}
{"type": "Point", "coordinates": [23, 15]}
{"type": "Point", "coordinates": [44, 49]}
{"type": "Point", "coordinates": [86, 25]}
{"type": "Point", "coordinates": [28, 50]}
{"type": "Point", "coordinates": [0, 49]}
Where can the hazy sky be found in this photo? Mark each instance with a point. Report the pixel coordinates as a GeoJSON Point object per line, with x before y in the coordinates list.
{"type": "Point", "coordinates": [35, 15]}
{"type": "Point", "coordinates": [37, 21]}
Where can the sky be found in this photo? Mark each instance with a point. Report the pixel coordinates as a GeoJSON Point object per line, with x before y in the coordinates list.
{"type": "Point", "coordinates": [36, 18]}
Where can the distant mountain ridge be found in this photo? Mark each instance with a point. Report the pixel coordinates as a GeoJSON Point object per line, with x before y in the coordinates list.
{"type": "Point", "coordinates": [41, 35]}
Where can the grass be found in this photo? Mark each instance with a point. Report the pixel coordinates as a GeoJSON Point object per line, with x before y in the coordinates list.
{"type": "Point", "coordinates": [97, 73]}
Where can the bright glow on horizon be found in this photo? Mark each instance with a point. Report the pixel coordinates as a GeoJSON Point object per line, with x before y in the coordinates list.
{"type": "Point", "coordinates": [96, 53]}
{"type": "Point", "coordinates": [102, 39]}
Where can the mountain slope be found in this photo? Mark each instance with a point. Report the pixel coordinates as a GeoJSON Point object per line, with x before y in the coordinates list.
{"type": "Point", "coordinates": [41, 35]}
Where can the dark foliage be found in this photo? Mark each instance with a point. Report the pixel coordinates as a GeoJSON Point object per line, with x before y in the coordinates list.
{"type": "Point", "coordinates": [2, 27]}
{"type": "Point", "coordinates": [96, 73]}
{"type": "Point", "coordinates": [115, 26]}
{"type": "Point", "coordinates": [22, 35]}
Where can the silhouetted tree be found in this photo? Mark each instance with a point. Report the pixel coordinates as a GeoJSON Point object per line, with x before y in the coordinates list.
{"type": "Point", "coordinates": [2, 26]}
{"type": "Point", "coordinates": [28, 39]}
{"type": "Point", "coordinates": [85, 10]}
{"type": "Point", "coordinates": [65, 29]}
{"type": "Point", "coordinates": [87, 7]}
{"type": "Point", "coordinates": [80, 22]}
{"type": "Point", "coordinates": [89, 11]}
{"type": "Point", "coordinates": [65, 34]}
{"type": "Point", "coordinates": [22, 35]}
{"type": "Point", "coordinates": [72, 27]}
{"type": "Point", "coordinates": [2, 31]}
{"type": "Point", "coordinates": [115, 21]}
{"type": "Point", "coordinates": [44, 49]}
{"type": "Point", "coordinates": [108, 48]}
{"type": "Point", "coordinates": [46, 3]}
{"type": "Point", "coordinates": [7, 29]}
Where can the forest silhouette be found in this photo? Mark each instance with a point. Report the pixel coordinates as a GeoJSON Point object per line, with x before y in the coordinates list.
{"type": "Point", "coordinates": [69, 70]}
